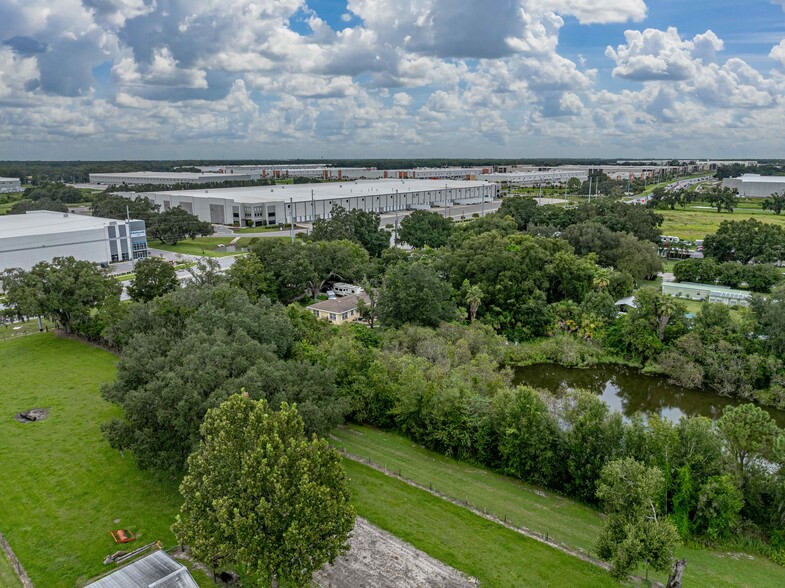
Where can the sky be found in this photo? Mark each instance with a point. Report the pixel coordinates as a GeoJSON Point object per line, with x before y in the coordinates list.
{"type": "Point", "coordinates": [276, 79]}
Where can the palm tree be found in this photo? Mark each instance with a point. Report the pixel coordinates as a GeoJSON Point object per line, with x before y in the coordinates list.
{"type": "Point", "coordinates": [602, 279]}
{"type": "Point", "coordinates": [473, 297]}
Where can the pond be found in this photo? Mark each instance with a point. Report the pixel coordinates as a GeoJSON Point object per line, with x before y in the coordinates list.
{"type": "Point", "coordinates": [628, 391]}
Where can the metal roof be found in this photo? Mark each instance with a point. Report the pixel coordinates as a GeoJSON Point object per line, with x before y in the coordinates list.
{"type": "Point", "coordinates": [45, 222]}
{"type": "Point", "coordinates": [325, 191]}
{"type": "Point", "coordinates": [156, 570]}
{"type": "Point", "coordinates": [756, 178]}
{"type": "Point", "coordinates": [339, 305]}
{"type": "Point", "coordinates": [163, 175]}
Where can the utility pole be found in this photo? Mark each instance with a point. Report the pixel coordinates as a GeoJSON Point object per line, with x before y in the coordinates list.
{"type": "Point", "coordinates": [313, 209]}
{"type": "Point", "coordinates": [590, 186]}
{"type": "Point", "coordinates": [291, 218]}
{"type": "Point", "coordinates": [396, 204]}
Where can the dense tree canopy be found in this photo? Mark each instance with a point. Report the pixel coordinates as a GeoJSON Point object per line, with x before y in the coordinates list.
{"type": "Point", "coordinates": [746, 241]}
{"type": "Point", "coordinates": [356, 225]}
{"type": "Point", "coordinates": [108, 205]}
{"type": "Point", "coordinates": [188, 351]}
{"type": "Point", "coordinates": [423, 227]}
{"type": "Point", "coordinates": [153, 277]}
{"type": "Point", "coordinates": [414, 293]}
{"type": "Point", "coordinates": [71, 292]}
{"type": "Point", "coordinates": [176, 224]}
{"type": "Point", "coordinates": [635, 531]}
{"type": "Point", "coordinates": [309, 265]}
{"type": "Point", "coordinates": [259, 493]}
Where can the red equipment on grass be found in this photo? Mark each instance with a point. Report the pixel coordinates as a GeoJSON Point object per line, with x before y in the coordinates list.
{"type": "Point", "coordinates": [123, 536]}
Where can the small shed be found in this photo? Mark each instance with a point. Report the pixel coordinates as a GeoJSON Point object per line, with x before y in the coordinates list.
{"type": "Point", "coordinates": [157, 570]}
{"type": "Point", "coordinates": [625, 304]}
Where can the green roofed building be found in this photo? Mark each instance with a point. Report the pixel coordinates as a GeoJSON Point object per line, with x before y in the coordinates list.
{"type": "Point", "coordinates": [709, 292]}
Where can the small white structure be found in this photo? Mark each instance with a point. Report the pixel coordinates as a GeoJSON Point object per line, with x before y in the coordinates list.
{"type": "Point", "coordinates": [10, 185]}
{"type": "Point", "coordinates": [41, 235]}
{"type": "Point", "coordinates": [342, 289]}
{"type": "Point", "coordinates": [163, 178]}
{"type": "Point", "coordinates": [710, 292]}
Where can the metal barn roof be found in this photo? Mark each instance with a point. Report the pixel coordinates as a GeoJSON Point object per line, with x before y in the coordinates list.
{"type": "Point", "coordinates": [156, 570]}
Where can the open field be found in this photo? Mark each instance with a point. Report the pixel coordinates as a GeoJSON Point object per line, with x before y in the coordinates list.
{"type": "Point", "coordinates": [17, 330]}
{"type": "Point", "coordinates": [199, 246]}
{"type": "Point", "coordinates": [695, 223]}
{"type": "Point", "coordinates": [565, 521]}
{"type": "Point", "coordinates": [8, 577]}
{"type": "Point", "coordinates": [495, 555]}
{"type": "Point", "coordinates": [63, 488]}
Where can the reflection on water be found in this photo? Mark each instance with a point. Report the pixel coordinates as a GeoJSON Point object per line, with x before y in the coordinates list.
{"type": "Point", "coordinates": [628, 391]}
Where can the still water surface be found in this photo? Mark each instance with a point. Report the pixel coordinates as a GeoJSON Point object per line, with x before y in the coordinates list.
{"type": "Point", "coordinates": [628, 391]}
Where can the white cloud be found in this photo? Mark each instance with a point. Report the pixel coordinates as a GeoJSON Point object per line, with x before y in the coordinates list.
{"type": "Point", "coordinates": [778, 51]}
{"type": "Point", "coordinates": [659, 55]}
{"type": "Point", "coordinates": [435, 76]}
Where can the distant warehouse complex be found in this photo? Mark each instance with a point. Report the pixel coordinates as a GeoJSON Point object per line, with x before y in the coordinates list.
{"type": "Point", "coordinates": [349, 173]}
{"type": "Point", "coordinates": [162, 178]}
{"type": "Point", "coordinates": [10, 185]}
{"type": "Point", "coordinates": [756, 186]}
{"type": "Point", "coordinates": [271, 205]}
{"type": "Point", "coordinates": [26, 239]}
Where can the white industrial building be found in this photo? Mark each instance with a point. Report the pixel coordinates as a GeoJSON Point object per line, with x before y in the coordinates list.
{"type": "Point", "coordinates": [41, 235]}
{"type": "Point", "coordinates": [10, 185]}
{"type": "Point", "coordinates": [324, 172]}
{"type": "Point", "coordinates": [755, 185]}
{"type": "Point", "coordinates": [534, 178]}
{"type": "Point", "coordinates": [271, 205]}
{"type": "Point", "coordinates": [162, 178]}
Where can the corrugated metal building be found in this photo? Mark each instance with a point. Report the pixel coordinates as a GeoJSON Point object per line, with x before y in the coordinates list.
{"type": "Point", "coordinates": [156, 570]}
{"type": "Point", "coordinates": [42, 235]}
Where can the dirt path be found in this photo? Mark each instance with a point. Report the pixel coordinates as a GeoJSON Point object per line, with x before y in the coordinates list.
{"type": "Point", "coordinates": [382, 560]}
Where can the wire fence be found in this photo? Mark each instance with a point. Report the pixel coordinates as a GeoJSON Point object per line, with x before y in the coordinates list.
{"type": "Point", "coordinates": [15, 563]}
{"type": "Point", "coordinates": [494, 515]}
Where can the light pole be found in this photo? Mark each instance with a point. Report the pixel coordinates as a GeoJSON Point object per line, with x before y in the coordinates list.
{"type": "Point", "coordinates": [291, 218]}
{"type": "Point", "coordinates": [396, 204]}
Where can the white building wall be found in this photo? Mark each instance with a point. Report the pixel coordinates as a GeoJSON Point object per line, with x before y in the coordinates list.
{"type": "Point", "coordinates": [25, 251]}
{"type": "Point", "coordinates": [10, 185]}
{"type": "Point", "coordinates": [755, 189]}
{"type": "Point", "coordinates": [308, 210]}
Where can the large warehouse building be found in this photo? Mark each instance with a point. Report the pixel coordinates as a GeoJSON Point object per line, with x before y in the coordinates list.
{"type": "Point", "coordinates": [162, 178]}
{"type": "Point", "coordinates": [326, 172]}
{"type": "Point", "coordinates": [10, 185]}
{"type": "Point", "coordinates": [271, 205]}
{"type": "Point", "coordinates": [26, 239]}
{"type": "Point", "coordinates": [756, 186]}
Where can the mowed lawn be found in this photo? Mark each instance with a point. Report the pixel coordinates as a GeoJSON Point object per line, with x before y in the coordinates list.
{"type": "Point", "coordinates": [497, 556]}
{"type": "Point", "coordinates": [200, 246]}
{"type": "Point", "coordinates": [8, 578]}
{"type": "Point", "coordinates": [693, 223]}
{"type": "Point", "coordinates": [565, 521]}
{"type": "Point", "coordinates": [62, 487]}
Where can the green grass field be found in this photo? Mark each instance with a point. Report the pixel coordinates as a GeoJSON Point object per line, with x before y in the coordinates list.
{"type": "Point", "coordinates": [497, 556]}
{"type": "Point", "coordinates": [62, 487]}
{"type": "Point", "coordinates": [259, 229]}
{"type": "Point", "coordinates": [695, 223]}
{"type": "Point", "coordinates": [564, 520]}
{"type": "Point", "coordinates": [200, 246]}
{"type": "Point", "coordinates": [8, 577]}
